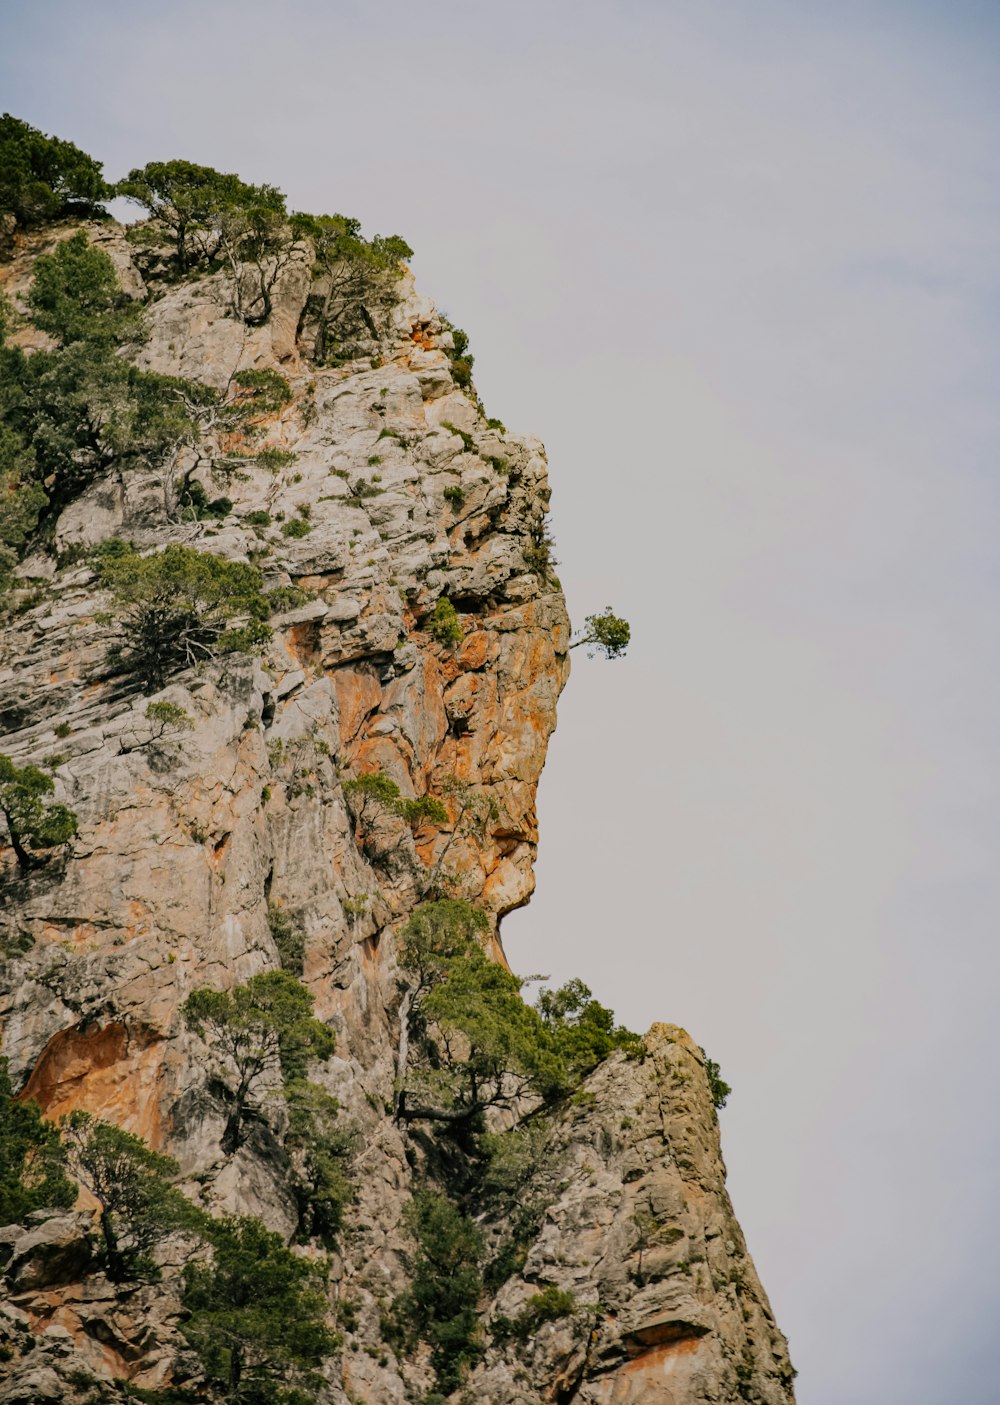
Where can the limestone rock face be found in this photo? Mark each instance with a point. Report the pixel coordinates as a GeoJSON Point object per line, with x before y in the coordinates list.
{"type": "Point", "coordinates": [404, 495]}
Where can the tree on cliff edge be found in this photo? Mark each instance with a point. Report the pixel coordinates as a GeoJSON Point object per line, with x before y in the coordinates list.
{"type": "Point", "coordinates": [605, 633]}
{"type": "Point", "coordinates": [258, 1027]}
{"type": "Point", "coordinates": [131, 1184]}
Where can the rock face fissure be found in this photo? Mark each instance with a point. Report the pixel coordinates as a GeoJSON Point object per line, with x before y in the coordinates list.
{"type": "Point", "coordinates": [378, 489]}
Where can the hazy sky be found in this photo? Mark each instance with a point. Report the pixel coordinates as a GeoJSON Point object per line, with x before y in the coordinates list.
{"type": "Point", "coordinates": [735, 261]}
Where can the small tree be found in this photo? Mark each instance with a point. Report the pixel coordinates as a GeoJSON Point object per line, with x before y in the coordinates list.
{"type": "Point", "coordinates": [440, 1305]}
{"type": "Point", "coordinates": [179, 607]}
{"type": "Point", "coordinates": [191, 201]}
{"type": "Point", "coordinates": [32, 1160]}
{"type": "Point", "coordinates": [471, 810]}
{"type": "Point", "coordinates": [131, 1184]}
{"type": "Point", "coordinates": [75, 295]}
{"type": "Point", "coordinates": [81, 410]}
{"type": "Point", "coordinates": [33, 821]}
{"type": "Point", "coordinates": [477, 1044]}
{"type": "Point", "coordinates": [357, 277]}
{"type": "Point", "coordinates": [256, 1316]}
{"type": "Point", "coordinates": [257, 244]}
{"type": "Point", "coordinates": [43, 177]}
{"type": "Point", "coordinates": [606, 633]}
{"type": "Point", "coordinates": [258, 1027]}
{"type": "Point", "coordinates": [374, 797]}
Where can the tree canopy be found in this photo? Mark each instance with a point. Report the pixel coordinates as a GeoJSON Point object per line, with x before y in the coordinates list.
{"type": "Point", "coordinates": [33, 820]}
{"type": "Point", "coordinates": [472, 1043]}
{"type": "Point", "coordinates": [440, 1305]}
{"type": "Point", "coordinates": [193, 203]}
{"type": "Point", "coordinates": [605, 633]}
{"type": "Point", "coordinates": [265, 1024]}
{"type": "Point", "coordinates": [131, 1184]}
{"type": "Point", "coordinates": [32, 1160]}
{"type": "Point", "coordinates": [255, 1316]}
{"type": "Point", "coordinates": [43, 177]}
{"type": "Point", "coordinates": [357, 276]}
{"type": "Point", "coordinates": [475, 1043]}
{"type": "Point", "coordinates": [179, 607]}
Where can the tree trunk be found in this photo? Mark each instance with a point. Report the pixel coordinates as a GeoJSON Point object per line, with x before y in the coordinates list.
{"type": "Point", "coordinates": [25, 861]}
{"type": "Point", "coordinates": [114, 1258]}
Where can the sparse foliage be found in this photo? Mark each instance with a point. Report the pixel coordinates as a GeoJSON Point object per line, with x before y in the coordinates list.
{"type": "Point", "coordinates": [131, 1184]}
{"type": "Point", "coordinates": [261, 1027]}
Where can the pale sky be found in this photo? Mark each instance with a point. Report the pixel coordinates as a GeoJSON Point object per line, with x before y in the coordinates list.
{"type": "Point", "coordinates": [735, 261]}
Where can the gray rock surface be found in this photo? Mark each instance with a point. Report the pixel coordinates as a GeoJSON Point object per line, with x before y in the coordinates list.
{"type": "Point", "coordinates": [186, 837]}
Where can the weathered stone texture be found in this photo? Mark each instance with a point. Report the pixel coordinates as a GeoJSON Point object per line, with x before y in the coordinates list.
{"type": "Point", "coordinates": [184, 839]}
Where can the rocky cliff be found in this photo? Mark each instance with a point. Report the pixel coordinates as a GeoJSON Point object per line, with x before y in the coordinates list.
{"type": "Point", "coordinates": [377, 488]}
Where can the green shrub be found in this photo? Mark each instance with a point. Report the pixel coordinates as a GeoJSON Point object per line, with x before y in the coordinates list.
{"type": "Point", "coordinates": [455, 495]}
{"type": "Point", "coordinates": [274, 459]}
{"type": "Point", "coordinates": [298, 527]}
{"type": "Point", "coordinates": [262, 392]}
{"type": "Point", "coordinates": [259, 518]}
{"type": "Point", "coordinates": [467, 440]}
{"type": "Point", "coordinates": [44, 177]}
{"type": "Point", "coordinates": [461, 358]}
{"type": "Point", "coordinates": [547, 1306]}
{"type": "Point", "coordinates": [717, 1086]}
{"type": "Point", "coordinates": [444, 625]}
{"type": "Point", "coordinates": [289, 937]}
{"type": "Point", "coordinates": [195, 504]}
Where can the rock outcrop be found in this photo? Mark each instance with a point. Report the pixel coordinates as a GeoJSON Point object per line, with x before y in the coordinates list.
{"type": "Point", "coordinates": [395, 492]}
